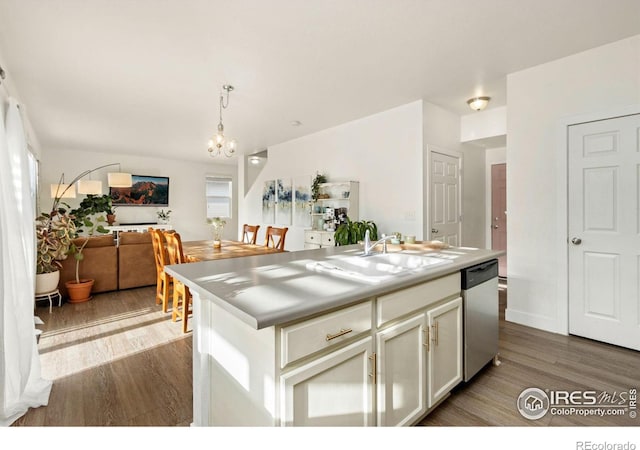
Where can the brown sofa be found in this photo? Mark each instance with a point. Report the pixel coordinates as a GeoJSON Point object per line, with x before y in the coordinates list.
{"type": "Point", "coordinates": [131, 264]}
{"type": "Point", "coordinates": [136, 261]}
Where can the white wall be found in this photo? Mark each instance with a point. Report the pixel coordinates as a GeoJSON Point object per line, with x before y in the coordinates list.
{"type": "Point", "coordinates": [186, 188]}
{"type": "Point", "coordinates": [383, 152]}
{"type": "Point", "coordinates": [539, 99]}
{"type": "Point", "coordinates": [442, 129]}
{"type": "Point", "coordinates": [479, 125]}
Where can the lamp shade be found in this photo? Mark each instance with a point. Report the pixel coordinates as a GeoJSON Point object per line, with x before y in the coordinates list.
{"type": "Point", "coordinates": [119, 179]}
{"type": "Point", "coordinates": [90, 187]}
{"type": "Point", "coordinates": [63, 191]}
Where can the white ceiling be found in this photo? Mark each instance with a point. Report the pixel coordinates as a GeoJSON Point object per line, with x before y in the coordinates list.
{"type": "Point", "coordinates": [143, 76]}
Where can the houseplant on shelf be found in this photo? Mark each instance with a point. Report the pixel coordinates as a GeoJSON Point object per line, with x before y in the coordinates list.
{"type": "Point", "coordinates": [163, 216]}
{"type": "Point", "coordinates": [218, 227]}
{"type": "Point", "coordinates": [315, 185]}
{"type": "Point", "coordinates": [95, 204]}
{"type": "Point", "coordinates": [353, 232]}
{"type": "Point", "coordinates": [54, 232]}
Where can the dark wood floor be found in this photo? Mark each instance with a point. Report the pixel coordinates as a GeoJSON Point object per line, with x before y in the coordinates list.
{"type": "Point", "coordinates": [118, 360]}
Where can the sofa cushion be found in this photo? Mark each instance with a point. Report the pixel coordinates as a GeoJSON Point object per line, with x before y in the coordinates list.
{"type": "Point", "coordinates": [127, 238]}
{"type": "Point", "coordinates": [136, 261]}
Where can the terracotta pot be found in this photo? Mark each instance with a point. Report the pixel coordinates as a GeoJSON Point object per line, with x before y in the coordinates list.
{"type": "Point", "coordinates": [111, 218]}
{"type": "Point", "coordinates": [47, 282]}
{"type": "Point", "coordinates": [79, 292]}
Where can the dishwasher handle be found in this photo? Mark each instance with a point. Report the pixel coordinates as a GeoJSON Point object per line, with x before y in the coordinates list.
{"type": "Point", "coordinates": [478, 274]}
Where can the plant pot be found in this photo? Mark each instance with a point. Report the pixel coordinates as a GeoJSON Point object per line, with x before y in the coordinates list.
{"type": "Point", "coordinates": [79, 292]}
{"type": "Point", "coordinates": [111, 219]}
{"type": "Point", "coordinates": [47, 282]}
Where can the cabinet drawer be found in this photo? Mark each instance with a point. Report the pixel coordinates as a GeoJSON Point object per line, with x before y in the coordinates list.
{"type": "Point", "coordinates": [308, 246]}
{"type": "Point", "coordinates": [399, 303]}
{"type": "Point", "coordinates": [312, 237]}
{"type": "Point", "coordinates": [327, 240]}
{"type": "Point", "coordinates": [313, 335]}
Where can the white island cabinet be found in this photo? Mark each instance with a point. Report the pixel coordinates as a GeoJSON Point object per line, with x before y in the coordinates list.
{"type": "Point", "coordinates": [371, 363]}
{"type": "Point", "coordinates": [277, 344]}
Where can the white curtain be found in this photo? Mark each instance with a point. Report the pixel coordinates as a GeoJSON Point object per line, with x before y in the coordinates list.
{"type": "Point", "coordinates": [21, 385]}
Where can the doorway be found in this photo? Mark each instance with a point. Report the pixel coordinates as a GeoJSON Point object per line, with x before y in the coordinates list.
{"type": "Point", "coordinates": [499, 214]}
{"type": "Point", "coordinates": [446, 196]}
{"type": "Point", "coordinates": [604, 230]}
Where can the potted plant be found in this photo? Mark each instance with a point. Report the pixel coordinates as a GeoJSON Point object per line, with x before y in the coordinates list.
{"type": "Point", "coordinates": [315, 185]}
{"type": "Point", "coordinates": [94, 204]}
{"type": "Point", "coordinates": [79, 290]}
{"type": "Point", "coordinates": [163, 216]}
{"type": "Point", "coordinates": [218, 227]}
{"type": "Point", "coordinates": [353, 232]}
{"type": "Point", "coordinates": [54, 232]}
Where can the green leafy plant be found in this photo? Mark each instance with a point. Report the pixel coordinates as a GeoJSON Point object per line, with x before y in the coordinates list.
{"type": "Point", "coordinates": [217, 222]}
{"type": "Point", "coordinates": [164, 215]}
{"type": "Point", "coordinates": [352, 232]}
{"type": "Point", "coordinates": [54, 233]}
{"type": "Point", "coordinates": [86, 223]}
{"type": "Point", "coordinates": [315, 185]}
{"type": "Point", "coordinates": [89, 206]}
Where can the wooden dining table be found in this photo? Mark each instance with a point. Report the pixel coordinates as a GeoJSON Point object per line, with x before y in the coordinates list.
{"type": "Point", "coordinates": [196, 251]}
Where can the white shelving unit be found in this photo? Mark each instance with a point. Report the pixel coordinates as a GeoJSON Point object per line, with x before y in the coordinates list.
{"type": "Point", "coordinates": [337, 196]}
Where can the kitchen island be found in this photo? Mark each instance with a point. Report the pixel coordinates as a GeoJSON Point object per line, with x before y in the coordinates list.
{"type": "Point", "coordinates": [276, 343]}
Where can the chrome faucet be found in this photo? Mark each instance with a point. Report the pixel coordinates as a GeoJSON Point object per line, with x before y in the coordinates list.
{"type": "Point", "coordinates": [368, 246]}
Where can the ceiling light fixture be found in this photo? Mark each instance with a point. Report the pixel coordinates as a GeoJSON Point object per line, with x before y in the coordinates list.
{"type": "Point", "coordinates": [478, 103]}
{"type": "Point", "coordinates": [254, 160]}
{"type": "Point", "coordinates": [219, 144]}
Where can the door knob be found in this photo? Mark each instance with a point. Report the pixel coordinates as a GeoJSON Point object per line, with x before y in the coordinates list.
{"type": "Point", "coordinates": [434, 231]}
{"type": "Point", "coordinates": [576, 241]}
{"type": "Point", "coordinates": [495, 227]}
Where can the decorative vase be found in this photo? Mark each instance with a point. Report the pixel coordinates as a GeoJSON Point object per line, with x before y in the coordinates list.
{"type": "Point", "coordinates": [79, 292]}
{"type": "Point", "coordinates": [217, 236]}
{"type": "Point", "coordinates": [163, 221]}
{"type": "Point", "coordinates": [111, 219]}
{"type": "Point", "coordinates": [47, 282]}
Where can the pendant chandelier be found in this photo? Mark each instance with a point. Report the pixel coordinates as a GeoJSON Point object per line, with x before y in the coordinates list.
{"type": "Point", "coordinates": [220, 144]}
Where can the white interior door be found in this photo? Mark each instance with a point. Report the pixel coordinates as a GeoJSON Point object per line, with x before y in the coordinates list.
{"type": "Point", "coordinates": [604, 230]}
{"type": "Point", "coordinates": [445, 198]}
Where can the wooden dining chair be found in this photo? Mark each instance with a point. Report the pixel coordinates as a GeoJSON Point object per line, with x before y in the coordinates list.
{"type": "Point", "coordinates": [275, 237]}
{"type": "Point", "coordinates": [181, 295]}
{"type": "Point", "coordinates": [164, 281]}
{"type": "Point", "coordinates": [249, 233]}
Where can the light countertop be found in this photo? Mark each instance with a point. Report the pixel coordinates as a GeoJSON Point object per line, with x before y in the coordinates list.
{"type": "Point", "coordinates": [268, 290]}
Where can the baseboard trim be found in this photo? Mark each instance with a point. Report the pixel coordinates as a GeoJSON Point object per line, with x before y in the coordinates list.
{"type": "Point", "coordinates": [538, 321]}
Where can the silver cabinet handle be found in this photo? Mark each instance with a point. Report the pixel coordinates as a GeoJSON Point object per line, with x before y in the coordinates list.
{"type": "Point", "coordinates": [576, 241]}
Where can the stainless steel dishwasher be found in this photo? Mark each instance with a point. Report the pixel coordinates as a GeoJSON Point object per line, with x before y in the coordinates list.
{"type": "Point", "coordinates": [480, 300]}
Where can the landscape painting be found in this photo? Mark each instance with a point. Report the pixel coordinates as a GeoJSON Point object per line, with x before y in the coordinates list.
{"type": "Point", "coordinates": [269, 201]}
{"type": "Point", "coordinates": [284, 205]}
{"type": "Point", "coordinates": [144, 191]}
{"type": "Point", "coordinates": [302, 202]}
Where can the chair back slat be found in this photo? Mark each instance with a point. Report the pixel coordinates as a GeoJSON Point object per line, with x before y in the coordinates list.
{"type": "Point", "coordinates": [275, 237]}
{"type": "Point", "coordinates": [174, 248]}
{"type": "Point", "coordinates": [249, 233]}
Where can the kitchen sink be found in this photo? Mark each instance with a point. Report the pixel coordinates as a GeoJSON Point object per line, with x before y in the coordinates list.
{"type": "Point", "coordinates": [376, 267]}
